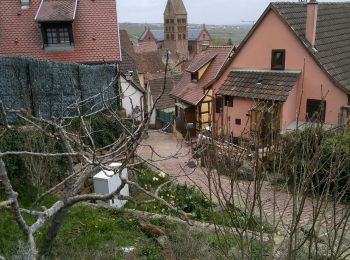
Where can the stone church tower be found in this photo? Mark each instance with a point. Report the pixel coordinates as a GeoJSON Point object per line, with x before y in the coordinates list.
{"type": "Point", "coordinates": [176, 28]}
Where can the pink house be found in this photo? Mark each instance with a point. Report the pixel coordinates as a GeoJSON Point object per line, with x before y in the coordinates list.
{"type": "Point", "coordinates": [294, 65]}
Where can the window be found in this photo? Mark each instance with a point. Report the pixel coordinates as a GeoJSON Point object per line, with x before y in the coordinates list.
{"type": "Point", "coordinates": [228, 101]}
{"type": "Point", "coordinates": [178, 20]}
{"type": "Point", "coordinates": [184, 36]}
{"type": "Point", "coordinates": [278, 59]}
{"type": "Point", "coordinates": [315, 110]}
{"type": "Point", "coordinates": [183, 20]}
{"type": "Point", "coordinates": [218, 104]}
{"type": "Point", "coordinates": [180, 36]}
{"type": "Point", "coordinates": [25, 4]}
{"type": "Point", "coordinates": [57, 34]}
{"type": "Point", "coordinates": [172, 36]}
{"type": "Point", "coordinates": [238, 121]}
{"type": "Point", "coordinates": [167, 21]}
{"type": "Point", "coordinates": [194, 77]}
{"type": "Point", "coordinates": [168, 36]}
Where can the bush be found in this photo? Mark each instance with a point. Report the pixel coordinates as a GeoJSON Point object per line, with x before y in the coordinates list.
{"type": "Point", "coordinates": [38, 171]}
{"type": "Point", "coordinates": [319, 159]}
{"type": "Point", "coordinates": [105, 130]}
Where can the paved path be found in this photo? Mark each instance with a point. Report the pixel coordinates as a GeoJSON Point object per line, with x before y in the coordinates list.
{"type": "Point", "coordinates": [173, 156]}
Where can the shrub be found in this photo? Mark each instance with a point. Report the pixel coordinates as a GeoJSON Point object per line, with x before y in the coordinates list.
{"type": "Point", "coordinates": [38, 171]}
{"type": "Point", "coordinates": [319, 159]}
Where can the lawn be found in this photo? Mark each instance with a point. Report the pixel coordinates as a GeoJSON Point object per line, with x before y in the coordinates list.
{"type": "Point", "coordinates": [100, 233]}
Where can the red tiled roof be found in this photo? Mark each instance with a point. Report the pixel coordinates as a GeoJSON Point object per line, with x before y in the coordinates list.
{"type": "Point", "coordinates": [95, 30]}
{"type": "Point", "coordinates": [193, 93]}
{"type": "Point", "coordinates": [199, 63]}
{"type": "Point", "coordinates": [143, 47]}
{"type": "Point", "coordinates": [56, 10]}
{"type": "Point", "coordinates": [150, 63]}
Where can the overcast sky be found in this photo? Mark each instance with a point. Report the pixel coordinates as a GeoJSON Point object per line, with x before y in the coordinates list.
{"type": "Point", "coordinates": [200, 11]}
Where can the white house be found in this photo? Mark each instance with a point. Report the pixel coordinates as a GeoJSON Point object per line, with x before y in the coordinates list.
{"type": "Point", "coordinates": [132, 94]}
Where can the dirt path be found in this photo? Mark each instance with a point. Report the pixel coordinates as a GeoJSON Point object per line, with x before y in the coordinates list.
{"type": "Point", "coordinates": [174, 156]}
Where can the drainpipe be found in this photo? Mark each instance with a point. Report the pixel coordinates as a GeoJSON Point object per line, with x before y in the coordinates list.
{"type": "Point", "coordinates": [341, 115]}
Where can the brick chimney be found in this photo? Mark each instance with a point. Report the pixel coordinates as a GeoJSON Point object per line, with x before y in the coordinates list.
{"type": "Point", "coordinates": [311, 21]}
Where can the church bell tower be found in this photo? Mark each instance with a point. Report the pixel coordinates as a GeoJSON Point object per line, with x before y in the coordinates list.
{"type": "Point", "coordinates": [176, 29]}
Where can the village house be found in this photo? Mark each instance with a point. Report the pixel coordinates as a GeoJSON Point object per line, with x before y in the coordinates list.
{"type": "Point", "coordinates": [149, 62]}
{"type": "Point", "coordinates": [193, 94]}
{"type": "Point", "coordinates": [60, 30]}
{"type": "Point", "coordinates": [182, 41]}
{"type": "Point", "coordinates": [164, 112]}
{"type": "Point", "coordinates": [293, 67]}
{"type": "Point", "coordinates": [131, 92]}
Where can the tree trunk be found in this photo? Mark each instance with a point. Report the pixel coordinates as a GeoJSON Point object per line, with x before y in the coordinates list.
{"type": "Point", "coordinates": [52, 232]}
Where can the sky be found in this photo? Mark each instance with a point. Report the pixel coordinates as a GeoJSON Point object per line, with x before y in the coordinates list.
{"type": "Point", "coordinates": [221, 12]}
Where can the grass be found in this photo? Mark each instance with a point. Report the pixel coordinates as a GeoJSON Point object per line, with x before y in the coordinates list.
{"type": "Point", "coordinates": [90, 233]}
{"type": "Point", "coordinates": [101, 233]}
{"type": "Point", "coordinates": [10, 233]}
{"type": "Point", "coordinates": [190, 200]}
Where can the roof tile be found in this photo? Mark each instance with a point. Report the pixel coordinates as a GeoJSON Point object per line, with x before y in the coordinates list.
{"type": "Point", "coordinates": [56, 11]}
{"type": "Point", "coordinates": [193, 93]}
{"type": "Point", "coordinates": [95, 30]}
{"type": "Point", "coordinates": [262, 85]}
{"type": "Point", "coordinates": [332, 35]}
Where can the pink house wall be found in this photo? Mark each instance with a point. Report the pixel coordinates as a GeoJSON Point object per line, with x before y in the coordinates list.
{"type": "Point", "coordinates": [290, 107]}
{"type": "Point", "coordinates": [239, 110]}
{"type": "Point", "coordinates": [271, 34]}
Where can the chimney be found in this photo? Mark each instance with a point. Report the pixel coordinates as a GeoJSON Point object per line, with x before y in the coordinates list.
{"type": "Point", "coordinates": [311, 21]}
{"type": "Point", "coordinates": [25, 4]}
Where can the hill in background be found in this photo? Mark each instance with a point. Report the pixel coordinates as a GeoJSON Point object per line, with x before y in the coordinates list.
{"type": "Point", "coordinates": [220, 33]}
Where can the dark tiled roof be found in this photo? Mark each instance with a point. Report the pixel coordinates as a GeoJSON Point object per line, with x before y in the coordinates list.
{"type": "Point", "coordinates": [262, 85]}
{"type": "Point", "coordinates": [197, 64]}
{"type": "Point", "coordinates": [332, 35]}
{"type": "Point", "coordinates": [156, 86]}
{"type": "Point", "coordinates": [193, 34]}
{"type": "Point", "coordinates": [158, 34]}
{"type": "Point", "coordinates": [193, 93]}
{"type": "Point", "coordinates": [56, 11]}
{"type": "Point", "coordinates": [127, 65]}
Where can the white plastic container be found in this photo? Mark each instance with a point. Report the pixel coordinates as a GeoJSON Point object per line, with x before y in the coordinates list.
{"type": "Point", "coordinates": [105, 182]}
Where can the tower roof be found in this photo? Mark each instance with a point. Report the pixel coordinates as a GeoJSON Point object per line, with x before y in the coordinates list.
{"type": "Point", "coordinates": [175, 7]}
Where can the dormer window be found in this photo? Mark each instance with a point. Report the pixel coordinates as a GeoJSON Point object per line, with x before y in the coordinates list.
{"type": "Point", "coordinates": [56, 35]}
{"type": "Point", "coordinates": [56, 19]}
{"type": "Point", "coordinates": [195, 76]}
{"type": "Point", "coordinates": [278, 59]}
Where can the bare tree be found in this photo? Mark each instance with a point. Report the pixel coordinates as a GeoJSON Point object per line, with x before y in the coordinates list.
{"type": "Point", "coordinates": [290, 191]}
{"type": "Point", "coordinates": [84, 158]}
